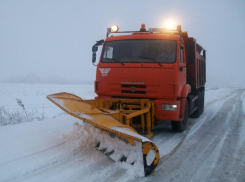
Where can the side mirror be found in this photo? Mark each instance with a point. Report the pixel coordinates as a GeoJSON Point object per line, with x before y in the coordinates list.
{"type": "Point", "coordinates": [94, 57]}
{"type": "Point", "coordinates": [95, 49]}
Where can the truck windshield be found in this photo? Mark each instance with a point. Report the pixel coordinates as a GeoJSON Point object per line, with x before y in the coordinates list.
{"type": "Point", "coordinates": [139, 51]}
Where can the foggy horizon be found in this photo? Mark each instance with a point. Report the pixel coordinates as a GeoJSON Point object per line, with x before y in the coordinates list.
{"type": "Point", "coordinates": [53, 39]}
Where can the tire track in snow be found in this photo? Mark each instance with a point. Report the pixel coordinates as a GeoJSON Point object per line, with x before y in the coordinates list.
{"type": "Point", "coordinates": [196, 151]}
{"type": "Point", "coordinates": [230, 164]}
{"type": "Point", "coordinates": [174, 140]}
{"type": "Point", "coordinates": [195, 154]}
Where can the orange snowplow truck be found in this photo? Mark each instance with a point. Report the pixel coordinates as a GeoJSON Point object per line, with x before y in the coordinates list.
{"type": "Point", "coordinates": [165, 66]}
{"type": "Point", "coordinates": [142, 77]}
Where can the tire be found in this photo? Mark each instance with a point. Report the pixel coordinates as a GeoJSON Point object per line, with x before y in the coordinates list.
{"type": "Point", "coordinates": [198, 112]}
{"type": "Point", "coordinates": [180, 126]}
{"type": "Point", "coordinates": [203, 95]}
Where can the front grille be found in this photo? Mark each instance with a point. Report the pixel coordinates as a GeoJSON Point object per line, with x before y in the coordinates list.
{"type": "Point", "coordinates": [136, 86]}
{"type": "Point", "coordinates": [133, 89]}
{"type": "Point", "coordinates": [130, 92]}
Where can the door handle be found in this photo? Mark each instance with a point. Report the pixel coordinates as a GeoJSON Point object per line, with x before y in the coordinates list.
{"type": "Point", "coordinates": [181, 68]}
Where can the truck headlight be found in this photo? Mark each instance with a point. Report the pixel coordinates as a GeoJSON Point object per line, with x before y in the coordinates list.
{"type": "Point", "coordinates": [168, 107]}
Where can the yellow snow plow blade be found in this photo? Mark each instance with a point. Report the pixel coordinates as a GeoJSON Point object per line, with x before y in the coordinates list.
{"type": "Point", "coordinates": [116, 117]}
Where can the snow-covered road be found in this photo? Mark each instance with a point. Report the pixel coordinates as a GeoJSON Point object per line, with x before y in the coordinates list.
{"type": "Point", "coordinates": [211, 149]}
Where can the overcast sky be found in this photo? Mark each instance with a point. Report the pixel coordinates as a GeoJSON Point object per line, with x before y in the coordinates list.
{"type": "Point", "coordinates": [54, 37]}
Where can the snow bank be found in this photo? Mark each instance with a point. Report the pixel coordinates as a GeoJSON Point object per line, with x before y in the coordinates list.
{"type": "Point", "coordinates": [86, 135]}
{"type": "Point", "coordinates": [29, 147]}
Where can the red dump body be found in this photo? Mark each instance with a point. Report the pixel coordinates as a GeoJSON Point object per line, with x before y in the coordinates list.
{"type": "Point", "coordinates": [196, 63]}
{"type": "Point", "coordinates": [162, 83]}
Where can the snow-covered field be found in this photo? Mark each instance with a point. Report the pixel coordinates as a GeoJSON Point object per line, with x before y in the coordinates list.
{"type": "Point", "coordinates": [58, 147]}
{"type": "Point", "coordinates": [33, 97]}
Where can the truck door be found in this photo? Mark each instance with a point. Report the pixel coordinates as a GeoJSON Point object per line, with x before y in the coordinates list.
{"type": "Point", "coordinates": [182, 67]}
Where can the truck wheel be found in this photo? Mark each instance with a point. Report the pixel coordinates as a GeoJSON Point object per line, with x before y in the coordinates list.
{"type": "Point", "coordinates": [179, 126]}
{"type": "Point", "coordinates": [198, 112]}
{"type": "Point", "coordinates": [203, 95]}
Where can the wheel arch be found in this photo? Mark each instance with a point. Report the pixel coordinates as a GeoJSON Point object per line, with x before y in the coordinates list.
{"type": "Point", "coordinates": [185, 91]}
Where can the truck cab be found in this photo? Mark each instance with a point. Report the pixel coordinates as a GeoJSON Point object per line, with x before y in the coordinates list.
{"type": "Point", "coordinates": [152, 65]}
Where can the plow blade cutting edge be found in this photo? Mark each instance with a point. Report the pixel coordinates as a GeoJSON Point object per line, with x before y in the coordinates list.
{"type": "Point", "coordinates": [109, 121]}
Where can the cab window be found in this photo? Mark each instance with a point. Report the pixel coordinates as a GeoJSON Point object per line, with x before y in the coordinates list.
{"type": "Point", "coordinates": [181, 55]}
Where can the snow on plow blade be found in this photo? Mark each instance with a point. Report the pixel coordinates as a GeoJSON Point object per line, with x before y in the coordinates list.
{"type": "Point", "coordinates": [98, 114]}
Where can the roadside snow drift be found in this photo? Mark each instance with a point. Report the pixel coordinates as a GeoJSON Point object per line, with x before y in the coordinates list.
{"type": "Point", "coordinates": [86, 135]}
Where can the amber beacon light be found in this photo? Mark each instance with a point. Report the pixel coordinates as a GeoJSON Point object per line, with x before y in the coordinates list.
{"type": "Point", "coordinates": [142, 27]}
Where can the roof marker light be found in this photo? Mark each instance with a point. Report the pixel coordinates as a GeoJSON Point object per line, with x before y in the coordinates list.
{"type": "Point", "coordinates": [142, 27]}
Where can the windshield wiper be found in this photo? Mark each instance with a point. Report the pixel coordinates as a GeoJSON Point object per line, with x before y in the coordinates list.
{"type": "Point", "coordinates": [116, 60]}
{"type": "Point", "coordinates": [150, 59]}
